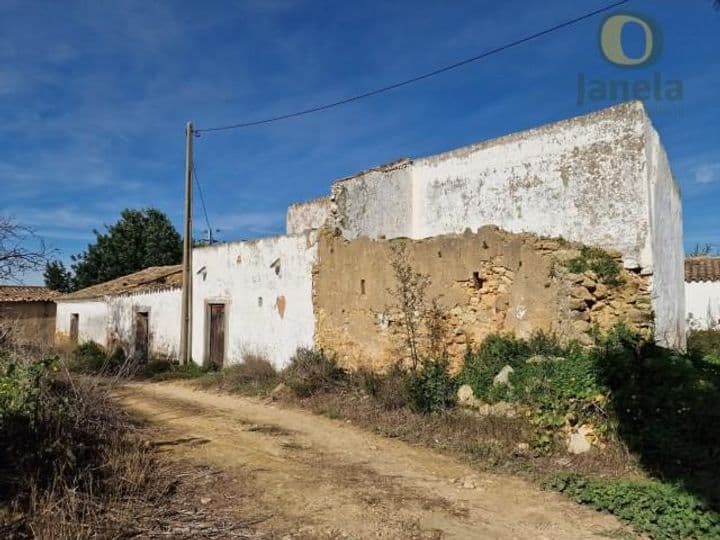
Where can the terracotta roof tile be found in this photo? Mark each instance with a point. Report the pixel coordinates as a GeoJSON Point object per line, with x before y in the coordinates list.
{"type": "Point", "coordinates": [702, 269]}
{"type": "Point", "coordinates": [26, 293]}
{"type": "Point", "coordinates": [155, 278]}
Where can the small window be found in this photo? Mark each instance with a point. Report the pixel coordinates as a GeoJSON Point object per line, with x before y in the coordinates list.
{"type": "Point", "coordinates": [439, 254]}
{"type": "Point", "coordinates": [276, 266]}
{"type": "Point", "coordinates": [260, 301]}
{"type": "Point", "coordinates": [362, 287]}
{"type": "Point", "coordinates": [477, 280]}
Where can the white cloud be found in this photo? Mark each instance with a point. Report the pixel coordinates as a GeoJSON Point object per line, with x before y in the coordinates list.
{"type": "Point", "coordinates": [708, 173]}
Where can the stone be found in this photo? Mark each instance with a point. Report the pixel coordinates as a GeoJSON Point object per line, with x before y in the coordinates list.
{"type": "Point", "coordinates": [580, 440]}
{"type": "Point", "coordinates": [540, 359]}
{"type": "Point", "coordinates": [278, 391]}
{"type": "Point", "coordinates": [205, 500]}
{"type": "Point", "coordinates": [582, 326]}
{"type": "Point", "coordinates": [601, 291]}
{"type": "Point", "coordinates": [503, 377]}
{"type": "Point", "coordinates": [576, 304]}
{"type": "Point", "coordinates": [581, 293]}
{"type": "Point", "coordinates": [466, 396]}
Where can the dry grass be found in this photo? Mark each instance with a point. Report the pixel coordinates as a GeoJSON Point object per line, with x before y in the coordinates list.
{"type": "Point", "coordinates": [76, 466]}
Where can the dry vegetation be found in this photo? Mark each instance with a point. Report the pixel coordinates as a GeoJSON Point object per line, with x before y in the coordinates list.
{"type": "Point", "coordinates": [75, 466]}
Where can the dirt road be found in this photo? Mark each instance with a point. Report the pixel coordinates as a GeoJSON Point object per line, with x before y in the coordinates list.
{"type": "Point", "coordinates": [320, 478]}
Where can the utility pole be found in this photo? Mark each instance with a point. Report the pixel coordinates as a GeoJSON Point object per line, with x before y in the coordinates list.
{"type": "Point", "coordinates": [186, 322]}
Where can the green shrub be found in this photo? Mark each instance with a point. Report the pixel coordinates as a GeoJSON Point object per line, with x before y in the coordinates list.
{"type": "Point", "coordinates": [311, 372]}
{"type": "Point", "coordinates": [162, 369]}
{"type": "Point", "coordinates": [661, 510]}
{"type": "Point", "coordinates": [600, 262]}
{"type": "Point", "coordinates": [431, 388]}
{"type": "Point", "coordinates": [705, 345]}
{"type": "Point", "coordinates": [87, 358]}
{"type": "Point", "coordinates": [390, 389]}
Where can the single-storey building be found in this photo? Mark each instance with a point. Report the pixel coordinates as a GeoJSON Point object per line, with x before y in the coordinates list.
{"type": "Point", "coordinates": [702, 292]}
{"type": "Point", "coordinates": [490, 224]}
{"type": "Point", "coordinates": [27, 315]}
{"type": "Point", "coordinates": [139, 313]}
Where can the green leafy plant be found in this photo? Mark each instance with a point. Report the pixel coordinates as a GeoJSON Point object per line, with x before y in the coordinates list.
{"type": "Point", "coordinates": [431, 388]}
{"type": "Point", "coordinates": [87, 358]}
{"type": "Point", "coordinates": [599, 261]}
{"type": "Point", "coordinates": [661, 510]}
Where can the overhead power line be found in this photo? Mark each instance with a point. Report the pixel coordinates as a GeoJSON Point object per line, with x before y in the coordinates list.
{"type": "Point", "coordinates": [417, 78]}
{"type": "Point", "coordinates": [202, 201]}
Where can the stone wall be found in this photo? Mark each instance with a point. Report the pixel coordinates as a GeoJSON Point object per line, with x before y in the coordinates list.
{"type": "Point", "coordinates": [485, 282]}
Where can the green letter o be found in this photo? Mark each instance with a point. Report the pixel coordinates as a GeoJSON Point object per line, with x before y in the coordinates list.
{"type": "Point", "coordinates": [611, 40]}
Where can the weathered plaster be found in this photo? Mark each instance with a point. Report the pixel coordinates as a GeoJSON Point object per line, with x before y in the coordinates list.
{"type": "Point", "coordinates": [305, 216]}
{"type": "Point", "coordinates": [267, 288]}
{"type": "Point", "coordinates": [92, 321]}
{"type": "Point", "coordinates": [163, 309]}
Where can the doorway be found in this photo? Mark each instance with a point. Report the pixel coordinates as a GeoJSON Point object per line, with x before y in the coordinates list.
{"type": "Point", "coordinates": [216, 337]}
{"type": "Point", "coordinates": [74, 327]}
{"type": "Point", "coordinates": [142, 335]}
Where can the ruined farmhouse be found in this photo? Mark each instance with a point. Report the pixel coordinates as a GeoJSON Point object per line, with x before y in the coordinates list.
{"type": "Point", "coordinates": [498, 227]}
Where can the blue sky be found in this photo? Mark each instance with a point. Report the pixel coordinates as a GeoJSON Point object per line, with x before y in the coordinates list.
{"type": "Point", "coordinates": [94, 97]}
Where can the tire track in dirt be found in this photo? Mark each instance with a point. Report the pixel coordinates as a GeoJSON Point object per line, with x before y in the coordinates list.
{"type": "Point", "coordinates": [322, 478]}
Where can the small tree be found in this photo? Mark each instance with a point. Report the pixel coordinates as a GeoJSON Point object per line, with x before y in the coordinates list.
{"type": "Point", "coordinates": [57, 277]}
{"type": "Point", "coordinates": [409, 293]}
{"type": "Point", "coordinates": [20, 250]}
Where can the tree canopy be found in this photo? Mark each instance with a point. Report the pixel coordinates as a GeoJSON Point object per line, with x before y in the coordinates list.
{"type": "Point", "coordinates": [139, 239]}
{"type": "Point", "coordinates": [57, 277]}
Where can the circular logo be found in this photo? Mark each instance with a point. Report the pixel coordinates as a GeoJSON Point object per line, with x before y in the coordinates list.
{"type": "Point", "coordinates": [611, 40]}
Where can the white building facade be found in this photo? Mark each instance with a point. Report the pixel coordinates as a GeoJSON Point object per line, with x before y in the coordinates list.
{"type": "Point", "coordinates": [702, 293]}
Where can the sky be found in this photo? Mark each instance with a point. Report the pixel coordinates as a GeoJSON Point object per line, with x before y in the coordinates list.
{"type": "Point", "coordinates": [94, 97]}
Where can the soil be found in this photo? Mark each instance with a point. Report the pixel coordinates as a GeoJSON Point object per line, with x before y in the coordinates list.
{"type": "Point", "coordinates": [315, 477]}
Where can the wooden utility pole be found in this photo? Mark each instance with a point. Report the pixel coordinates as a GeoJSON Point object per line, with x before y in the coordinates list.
{"type": "Point", "coordinates": [186, 322]}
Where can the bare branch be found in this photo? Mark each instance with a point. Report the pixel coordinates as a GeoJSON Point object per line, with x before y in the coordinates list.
{"type": "Point", "coordinates": [20, 250]}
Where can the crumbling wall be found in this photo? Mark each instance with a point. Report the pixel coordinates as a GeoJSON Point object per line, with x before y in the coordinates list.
{"type": "Point", "coordinates": [485, 282]}
{"type": "Point", "coordinates": [309, 215]}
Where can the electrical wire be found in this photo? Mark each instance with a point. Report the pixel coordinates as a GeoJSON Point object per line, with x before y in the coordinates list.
{"type": "Point", "coordinates": [202, 201]}
{"type": "Point", "coordinates": [418, 78]}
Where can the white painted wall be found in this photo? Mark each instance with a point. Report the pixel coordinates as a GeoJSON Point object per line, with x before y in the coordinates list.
{"type": "Point", "coordinates": [92, 320]}
{"type": "Point", "coordinates": [375, 203]}
{"type": "Point", "coordinates": [308, 215]}
{"type": "Point", "coordinates": [702, 301]}
{"type": "Point", "coordinates": [239, 274]}
{"type": "Point", "coordinates": [112, 320]}
{"type": "Point", "coordinates": [163, 308]}
{"type": "Point", "coordinates": [666, 245]}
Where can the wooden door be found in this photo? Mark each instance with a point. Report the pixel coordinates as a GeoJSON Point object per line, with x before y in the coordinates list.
{"type": "Point", "coordinates": [142, 335]}
{"type": "Point", "coordinates": [74, 327]}
{"type": "Point", "coordinates": [216, 343]}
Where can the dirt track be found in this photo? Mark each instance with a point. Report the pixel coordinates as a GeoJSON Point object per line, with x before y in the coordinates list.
{"type": "Point", "coordinates": [320, 478]}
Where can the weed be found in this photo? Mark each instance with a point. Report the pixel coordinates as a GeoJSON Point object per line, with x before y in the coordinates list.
{"type": "Point", "coordinates": [660, 510]}
{"type": "Point", "coordinates": [431, 388]}
{"type": "Point", "coordinates": [600, 262]}
{"type": "Point", "coordinates": [310, 372]}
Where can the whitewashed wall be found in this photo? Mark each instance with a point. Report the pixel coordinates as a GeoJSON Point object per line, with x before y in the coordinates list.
{"type": "Point", "coordinates": [266, 313]}
{"type": "Point", "coordinates": [375, 203]}
{"type": "Point", "coordinates": [308, 215]}
{"type": "Point", "coordinates": [92, 320]}
{"type": "Point", "coordinates": [666, 245]}
{"type": "Point", "coordinates": [164, 310]}
{"type": "Point", "coordinates": [702, 302]}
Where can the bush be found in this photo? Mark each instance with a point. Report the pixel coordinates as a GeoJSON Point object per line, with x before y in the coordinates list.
{"type": "Point", "coordinates": [311, 372]}
{"type": "Point", "coordinates": [163, 369]}
{"type": "Point", "coordinates": [600, 262]}
{"type": "Point", "coordinates": [704, 345]}
{"type": "Point", "coordinates": [389, 389]}
{"type": "Point", "coordinates": [255, 374]}
{"type": "Point", "coordinates": [88, 358]}
{"type": "Point", "coordinates": [431, 388]}
{"type": "Point", "coordinates": [660, 510]}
